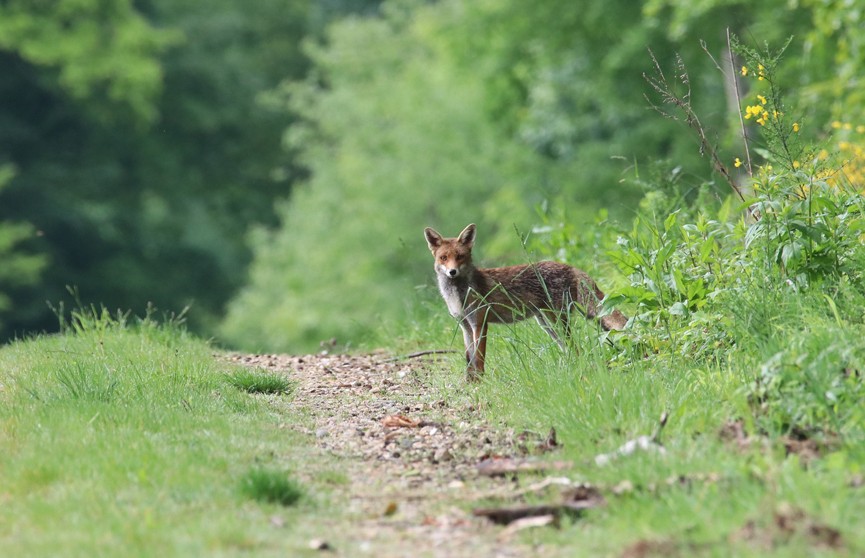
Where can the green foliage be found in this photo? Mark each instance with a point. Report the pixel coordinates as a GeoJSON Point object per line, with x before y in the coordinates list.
{"type": "Point", "coordinates": [799, 226]}
{"type": "Point", "coordinates": [20, 266]}
{"type": "Point", "coordinates": [813, 384]}
{"type": "Point", "coordinates": [99, 50]}
{"type": "Point", "coordinates": [143, 152]}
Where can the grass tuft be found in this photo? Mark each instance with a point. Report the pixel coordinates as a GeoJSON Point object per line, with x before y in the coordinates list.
{"type": "Point", "coordinates": [275, 487]}
{"type": "Point", "coordinates": [260, 381]}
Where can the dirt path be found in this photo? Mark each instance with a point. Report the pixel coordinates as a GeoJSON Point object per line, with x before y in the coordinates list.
{"type": "Point", "coordinates": [411, 489]}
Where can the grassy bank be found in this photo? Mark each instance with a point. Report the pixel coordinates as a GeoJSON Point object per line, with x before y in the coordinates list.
{"type": "Point", "coordinates": [132, 440]}
{"type": "Point", "coordinates": [740, 474]}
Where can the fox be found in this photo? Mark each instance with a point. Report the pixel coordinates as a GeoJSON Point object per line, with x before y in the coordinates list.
{"type": "Point", "coordinates": [476, 297]}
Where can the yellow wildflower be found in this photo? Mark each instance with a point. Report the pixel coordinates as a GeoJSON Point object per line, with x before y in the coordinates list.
{"type": "Point", "coordinates": [744, 70]}
{"type": "Point", "coordinates": [848, 126]}
{"type": "Point", "coordinates": [860, 129]}
{"type": "Point", "coordinates": [762, 99]}
{"type": "Point", "coordinates": [796, 127]}
{"type": "Point", "coordinates": [755, 110]}
{"type": "Point", "coordinates": [836, 124]}
{"type": "Point", "coordinates": [738, 162]}
{"type": "Point", "coordinates": [796, 164]}
{"type": "Point", "coordinates": [760, 70]}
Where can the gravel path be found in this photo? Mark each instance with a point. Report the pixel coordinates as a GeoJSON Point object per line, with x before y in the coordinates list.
{"type": "Point", "coordinates": [412, 461]}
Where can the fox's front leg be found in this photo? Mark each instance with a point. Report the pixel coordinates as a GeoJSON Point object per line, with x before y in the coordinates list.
{"type": "Point", "coordinates": [476, 346]}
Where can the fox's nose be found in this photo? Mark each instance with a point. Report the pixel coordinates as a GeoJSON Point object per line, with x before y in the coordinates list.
{"type": "Point", "coordinates": [452, 272]}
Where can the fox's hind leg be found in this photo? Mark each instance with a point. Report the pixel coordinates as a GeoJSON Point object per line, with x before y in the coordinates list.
{"type": "Point", "coordinates": [468, 339]}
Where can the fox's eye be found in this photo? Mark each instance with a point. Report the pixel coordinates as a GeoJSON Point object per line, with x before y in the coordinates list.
{"type": "Point", "coordinates": [443, 258]}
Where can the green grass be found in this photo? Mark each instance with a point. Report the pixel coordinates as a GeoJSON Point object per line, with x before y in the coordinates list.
{"type": "Point", "coordinates": [133, 441]}
{"type": "Point", "coordinates": [259, 381]}
{"type": "Point", "coordinates": [272, 486]}
{"type": "Point", "coordinates": [800, 379]}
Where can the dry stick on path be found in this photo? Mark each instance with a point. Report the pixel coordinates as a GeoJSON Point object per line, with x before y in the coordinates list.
{"type": "Point", "coordinates": [420, 354]}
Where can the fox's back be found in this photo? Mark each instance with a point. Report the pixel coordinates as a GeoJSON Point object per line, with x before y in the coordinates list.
{"type": "Point", "coordinates": [515, 292]}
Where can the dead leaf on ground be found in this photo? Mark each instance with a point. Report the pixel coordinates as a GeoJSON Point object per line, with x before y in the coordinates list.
{"type": "Point", "coordinates": [787, 522]}
{"type": "Point", "coordinates": [400, 421]}
{"type": "Point", "coordinates": [809, 448]}
{"type": "Point", "coordinates": [646, 548]}
{"type": "Point", "coordinates": [734, 431]}
{"type": "Point", "coordinates": [583, 496]}
{"type": "Point", "coordinates": [390, 509]}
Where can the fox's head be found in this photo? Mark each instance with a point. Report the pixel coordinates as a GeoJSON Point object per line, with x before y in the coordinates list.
{"type": "Point", "coordinates": [453, 256]}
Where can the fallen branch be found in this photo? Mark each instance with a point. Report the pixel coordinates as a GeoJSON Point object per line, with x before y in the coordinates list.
{"type": "Point", "coordinates": [507, 515]}
{"type": "Point", "coordinates": [527, 523]}
{"type": "Point", "coordinates": [419, 354]}
{"type": "Point", "coordinates": [574, 501]}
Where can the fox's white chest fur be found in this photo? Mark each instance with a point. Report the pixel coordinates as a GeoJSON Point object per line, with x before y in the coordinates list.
{"type": "Point", "coordinates": [454, 292]}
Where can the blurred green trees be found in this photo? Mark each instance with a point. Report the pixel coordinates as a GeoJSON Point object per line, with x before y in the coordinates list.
{"type": "Point", "coordinates": [142, 151]}
{"type": "Point", "coordinates": [20, 266]}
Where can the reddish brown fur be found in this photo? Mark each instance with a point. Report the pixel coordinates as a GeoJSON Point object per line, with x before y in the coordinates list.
{"type": "Point", "coordinates": [477, 297]}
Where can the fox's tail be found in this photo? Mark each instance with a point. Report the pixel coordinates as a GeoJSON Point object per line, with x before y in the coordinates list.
{"type": "Point", "coordinates": [590, 295]}
{"type": "Point", "coordinates": [615, 320]}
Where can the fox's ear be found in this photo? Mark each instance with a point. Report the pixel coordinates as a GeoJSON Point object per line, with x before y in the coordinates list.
{"type": "Point", "coordinates": [467, 237]}
{"type": "Point", "coordinates": [433, 239]}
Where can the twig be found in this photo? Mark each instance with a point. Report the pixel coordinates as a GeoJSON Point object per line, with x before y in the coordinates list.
{"type": "Point", "coordinates": [419, 354]}
{"type": "Point", "coordinates": [683, 102]}
{"type": "Point", "coordinates": [662, 422]}
{"type": "Point", "coordinates": [646, 443]}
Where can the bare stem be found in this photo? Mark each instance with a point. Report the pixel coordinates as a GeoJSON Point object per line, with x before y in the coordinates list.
{"type": "Point", "coordinates": [738, 98]}
{"type": "Point", "coordinates": [683, 102]}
